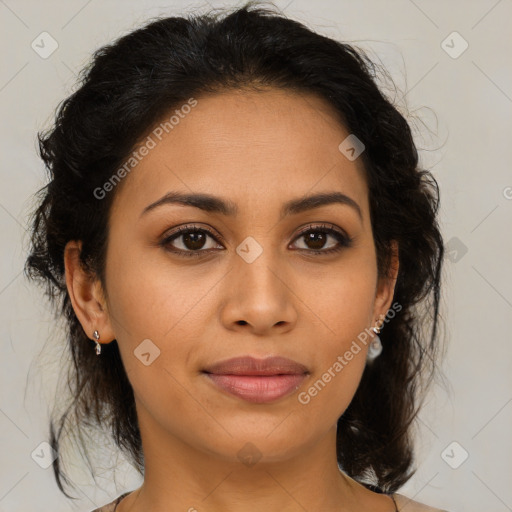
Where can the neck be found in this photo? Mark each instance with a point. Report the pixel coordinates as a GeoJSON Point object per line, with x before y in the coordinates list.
{"type": "Point", "coordinates": [185, 477]}
{"type": "Point", "coordinates": [179, 477]}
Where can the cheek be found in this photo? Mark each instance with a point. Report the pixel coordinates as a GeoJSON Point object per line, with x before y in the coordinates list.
{"type": "Point", "coordinates": [148, 298]}
{"type": "Point", "coordinates": [343, 307]}
{"type": "Point", "coordinates": [154, 317]}
{"type": "Point", "coordinates": [341, 300]}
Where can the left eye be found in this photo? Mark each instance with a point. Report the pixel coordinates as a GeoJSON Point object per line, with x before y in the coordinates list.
{"type": "Point", "coordinates": [317, 236]}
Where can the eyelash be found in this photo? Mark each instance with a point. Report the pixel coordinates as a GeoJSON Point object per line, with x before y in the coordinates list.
{"type": "Point", "coordinates": [343, 240]}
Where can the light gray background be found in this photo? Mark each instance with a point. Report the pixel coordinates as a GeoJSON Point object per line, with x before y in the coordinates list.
{"type": "Point", "coordinates": [462, 118]}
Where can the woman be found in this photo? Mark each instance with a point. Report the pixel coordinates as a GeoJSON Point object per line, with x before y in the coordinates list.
{"type": "Point", "coordinates": [236, 218]}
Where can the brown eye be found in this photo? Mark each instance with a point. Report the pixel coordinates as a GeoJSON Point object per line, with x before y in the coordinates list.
{"type": "Point", "coordinates": [193, 241]}
{"type": "Point", "coordinates": [316, 238]}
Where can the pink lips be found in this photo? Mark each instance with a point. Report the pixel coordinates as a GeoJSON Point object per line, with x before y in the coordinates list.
{"type": "Point", "coordinates": [257, 380]}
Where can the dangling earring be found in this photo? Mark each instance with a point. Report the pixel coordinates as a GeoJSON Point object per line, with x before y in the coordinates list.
{"type": "Point", "coordinates": [375, 348]}
{"type": "Point", "coordinates": [96, 335]}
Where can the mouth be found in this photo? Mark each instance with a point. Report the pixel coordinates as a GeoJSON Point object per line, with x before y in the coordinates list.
{"type": "Point", "coordinates": [257, 380]}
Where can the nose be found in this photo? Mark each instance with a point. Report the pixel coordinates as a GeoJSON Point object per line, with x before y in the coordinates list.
{"type": "Point", "coordinates": [259, 296]}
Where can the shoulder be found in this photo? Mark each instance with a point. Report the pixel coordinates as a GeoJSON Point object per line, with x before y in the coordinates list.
{"type": "Point", "coordinates": [110, 507]}
{"type": "Point", "coordinates": [405, 504]}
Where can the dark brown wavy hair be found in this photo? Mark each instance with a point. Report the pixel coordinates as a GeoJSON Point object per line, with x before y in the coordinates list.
{"type": "Point", "coordinates": [131, 85]}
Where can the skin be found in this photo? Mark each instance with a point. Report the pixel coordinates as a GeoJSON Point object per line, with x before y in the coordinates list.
{"type": "Point", "coordinates": [259, 150]}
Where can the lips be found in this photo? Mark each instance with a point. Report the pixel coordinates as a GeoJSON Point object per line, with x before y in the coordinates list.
{"type": "Point", "coordinates": [257, 380]}
{"type": "Point", "coordinates": [251, 366]}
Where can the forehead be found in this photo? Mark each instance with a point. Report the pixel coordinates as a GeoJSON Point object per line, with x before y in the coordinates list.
{"type": "Point", "coordinates": [250, 146]}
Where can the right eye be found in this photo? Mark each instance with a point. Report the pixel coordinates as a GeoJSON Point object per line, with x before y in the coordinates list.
{"type": "Point", "coordinates": [192, 238]}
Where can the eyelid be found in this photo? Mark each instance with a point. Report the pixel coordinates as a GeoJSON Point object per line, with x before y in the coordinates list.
{"type": "Point", "coordinates": [176, 231]}
{"type": "Point", "coordinates": [324, 226]}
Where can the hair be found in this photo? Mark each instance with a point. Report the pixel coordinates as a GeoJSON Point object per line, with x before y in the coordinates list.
{"type": "Point", "coordinates": [132, 84]}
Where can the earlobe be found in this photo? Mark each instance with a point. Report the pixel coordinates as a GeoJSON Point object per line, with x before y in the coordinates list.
{"type": "Point", "coordinates": [85, 293]}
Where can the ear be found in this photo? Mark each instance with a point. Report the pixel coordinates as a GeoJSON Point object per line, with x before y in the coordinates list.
{"type": "Point", "coordinates": [386, 287]}
{"type": "Point", "coordinates": [86, 295]}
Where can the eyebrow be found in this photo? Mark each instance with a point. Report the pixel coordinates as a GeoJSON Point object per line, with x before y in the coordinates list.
{"type": "Point", "coordinates": [214, 204]}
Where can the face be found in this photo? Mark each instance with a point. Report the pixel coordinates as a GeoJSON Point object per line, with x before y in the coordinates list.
{"type": "Point", "coordinates": [262, 280]}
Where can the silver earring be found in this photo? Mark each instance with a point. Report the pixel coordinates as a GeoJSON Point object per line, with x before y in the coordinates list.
{"type": "Point", "coordinates": [96, 335]}
{"type": "Point", "coordinates": [375, 348]}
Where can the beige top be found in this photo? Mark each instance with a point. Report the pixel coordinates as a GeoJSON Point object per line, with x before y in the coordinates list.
{"type": "Point", "coordinates": [404, 504]}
